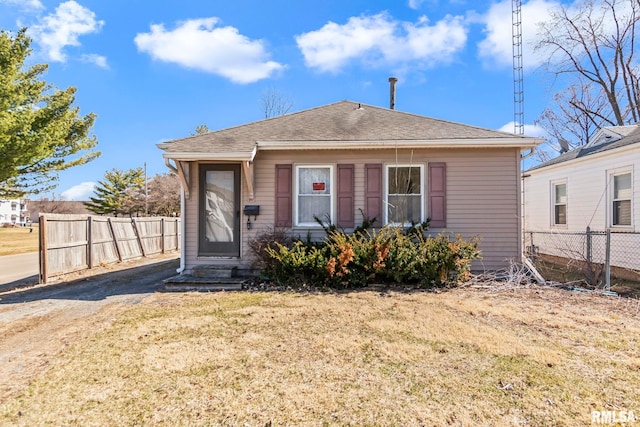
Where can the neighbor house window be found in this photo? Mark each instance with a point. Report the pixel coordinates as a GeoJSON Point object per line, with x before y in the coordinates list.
{"type": "Point", "coordinates": [559, 203]}
{"type": "Point", "coordinates": [404, 196]}
{"type": "Point", "coordinates": [621, 200]}
{"type": "Point", "coordinates": [314, 197]}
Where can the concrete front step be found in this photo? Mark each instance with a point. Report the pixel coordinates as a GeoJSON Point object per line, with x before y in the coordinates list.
{"type": "Point", "coordinates": [215, 271]}
{"type": "Point", "coordinates": [194, 283]}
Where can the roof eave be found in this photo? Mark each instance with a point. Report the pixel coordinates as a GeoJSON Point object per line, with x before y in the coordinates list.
{"type": "Point", "coordinates": [589, 157]}
{"type": "Point", "coordinates": [240, 156]}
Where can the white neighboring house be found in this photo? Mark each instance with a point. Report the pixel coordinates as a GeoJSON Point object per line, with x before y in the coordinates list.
{"type": "Point", "coordinates": [13, 211]}
{"type": "Point", "coordinates": [596, 186]}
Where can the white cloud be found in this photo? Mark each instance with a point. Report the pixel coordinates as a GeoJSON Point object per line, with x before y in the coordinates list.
{"type": "Point", "coordinates": [62, 28]}
{"type": "Point", "coordinates": [25, 4]}
{"type": "Point", "coordinates": [380, 40]}
{"type": "Point", "coordinates": [200, 45]}
{"type": "Point", "coordinates": [415, 4]}
{"type": "Point", "coordinates": [529, 130]}
{"type": "Point", "coordinates": [81, 191]}
{"type": "Point", "coordinates": [99, 60]}
{"type": "Point", "coordinates": [497, 47]}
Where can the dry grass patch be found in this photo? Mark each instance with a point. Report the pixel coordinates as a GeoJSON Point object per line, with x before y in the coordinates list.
{"type": "Point", "coordinates": [465, 357]}
{"type": "Point", "coordinates": [17, 240]}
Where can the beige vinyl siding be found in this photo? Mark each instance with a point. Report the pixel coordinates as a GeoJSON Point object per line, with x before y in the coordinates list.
{"type": "Point", "coordinates": [482, 196]}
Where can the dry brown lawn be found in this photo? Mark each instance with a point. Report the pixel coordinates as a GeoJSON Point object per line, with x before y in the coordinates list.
{"type": "Point", "coordinates": [467, 357]}
{"type": "Point", "coordinates": [17, 240]}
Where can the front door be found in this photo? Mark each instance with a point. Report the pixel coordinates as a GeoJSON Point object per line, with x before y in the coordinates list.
{"type": "Point", "coordinates": [219, 210]}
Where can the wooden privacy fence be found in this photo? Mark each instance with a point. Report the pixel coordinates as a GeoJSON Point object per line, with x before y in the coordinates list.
{"type": "Point", "coordinates": [78, 242]}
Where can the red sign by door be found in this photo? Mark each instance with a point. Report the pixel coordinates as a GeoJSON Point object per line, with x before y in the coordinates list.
{"type": "Point", "coordinates": [318, 186]}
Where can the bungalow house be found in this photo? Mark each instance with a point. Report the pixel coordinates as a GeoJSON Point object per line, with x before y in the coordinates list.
{"type": "Point", "coordinates": [344, 162]}
{"type": "Point", "coordinates": [596, 186]}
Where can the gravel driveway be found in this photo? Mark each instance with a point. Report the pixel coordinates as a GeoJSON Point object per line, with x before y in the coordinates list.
{"type": "Point", "coordinates": [38, 322]}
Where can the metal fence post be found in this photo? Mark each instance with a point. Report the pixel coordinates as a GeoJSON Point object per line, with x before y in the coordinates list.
{"type": "Point", "coordinates": [589, 256]}
{"type": "Point", "coordinates": [607, 260]}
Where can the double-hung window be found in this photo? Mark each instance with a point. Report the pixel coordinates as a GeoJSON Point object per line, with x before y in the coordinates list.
{"type": "Point", "coordinates": [404, 195]}
{"type": "Point", "coordinates": [559, 197]}
{"type": "Point", "coordinates": [621, 200]}
{"type": "Point", "coordinates": [314, 197]}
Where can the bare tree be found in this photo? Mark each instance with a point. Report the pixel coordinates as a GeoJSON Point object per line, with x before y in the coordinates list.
{"type": "Point", "coordinates": [200, 130]}
{"type": "Point", "coordinates": [591, 46]}
{"type": "Point", "coordinates": [566, 124]}
{"type": "Point", "coordinates": [54, 204]}
{"type": "Point", "coordinates": [164, 195]}
{"type": "Point", "coordinates": [275, 103]}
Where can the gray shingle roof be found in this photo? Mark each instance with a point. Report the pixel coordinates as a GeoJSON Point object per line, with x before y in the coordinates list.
{"type": "Point", "coordinates": [341, 121]}
{"type": "Point", "coordinates": [632, 137]}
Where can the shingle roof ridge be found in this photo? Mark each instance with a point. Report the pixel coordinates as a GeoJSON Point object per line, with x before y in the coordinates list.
{"type": "Point", "coordinates": [451, 122]}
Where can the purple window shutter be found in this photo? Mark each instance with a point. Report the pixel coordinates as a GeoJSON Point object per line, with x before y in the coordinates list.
{"type": "Point", "coordinates": [345, 196]}
{"type": "Point", "coordinates": [284, 181]}
{"type": "Point", "coordinates": [438, 194]}
{"type": "Point", "coordinates": [373, 192]}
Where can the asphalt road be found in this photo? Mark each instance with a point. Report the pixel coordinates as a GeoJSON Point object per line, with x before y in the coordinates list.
{"type": "Point", "coordinates": [19, 268]}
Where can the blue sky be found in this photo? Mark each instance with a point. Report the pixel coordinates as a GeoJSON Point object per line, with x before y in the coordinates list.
{"type": "Point", "coordinates": [154, 70]}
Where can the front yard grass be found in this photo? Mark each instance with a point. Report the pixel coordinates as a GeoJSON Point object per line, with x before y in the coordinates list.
{"type": "Point", "coordinates": [465, 357]}
{"type": "Point", "coordinates": [17, 240]}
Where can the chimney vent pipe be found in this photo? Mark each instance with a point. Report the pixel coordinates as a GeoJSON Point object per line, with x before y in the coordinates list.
{"type": "Point", "coordinates": [392, 92]}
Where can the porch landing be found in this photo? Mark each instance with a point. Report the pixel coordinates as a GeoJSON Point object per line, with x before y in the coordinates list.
{"type": "Point", "coordinates": [192, 283]}
{"type": "Point", "coordinates": [207, 278]}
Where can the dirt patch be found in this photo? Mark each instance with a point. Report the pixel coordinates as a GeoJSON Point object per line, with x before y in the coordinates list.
{"type": "Point", "coordinates": [39, 321]}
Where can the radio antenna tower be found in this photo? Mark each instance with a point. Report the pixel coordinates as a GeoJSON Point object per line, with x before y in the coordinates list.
{"type": "Point", "coordinates": [518, 79]}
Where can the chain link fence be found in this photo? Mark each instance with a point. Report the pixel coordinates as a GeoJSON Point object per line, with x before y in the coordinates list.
{"type": "Point", "coordinates": [590, 256]}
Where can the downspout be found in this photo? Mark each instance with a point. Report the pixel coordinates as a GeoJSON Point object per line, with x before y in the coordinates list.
{"type": "Point", "coordinates": [529, 154]}
{"type": "Point", "coordinates": [182, 233]}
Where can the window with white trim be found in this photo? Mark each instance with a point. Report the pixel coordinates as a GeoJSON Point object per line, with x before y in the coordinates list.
{"type": "Point", "coordinates": [621, 200]}
{"type": "Point", "coordinates": [559, 197]}
{"type": "Point", "coordinates": [314, 195]}
{"type": "Point", "coordinates": [404, 194]}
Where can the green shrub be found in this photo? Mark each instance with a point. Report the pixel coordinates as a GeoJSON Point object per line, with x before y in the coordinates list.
{"type": "Point", "coordinates": [298, 265]}
{"type": "Point", "coordinates": [390, 254]}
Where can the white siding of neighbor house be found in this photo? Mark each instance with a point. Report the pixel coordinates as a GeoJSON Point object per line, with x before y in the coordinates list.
{"type": "Point", "coordinates": [588, 195]}
{"type": "Point", "coordinates": [482, 193]}
{"type": "Point", "coordinates": [13, 211]}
